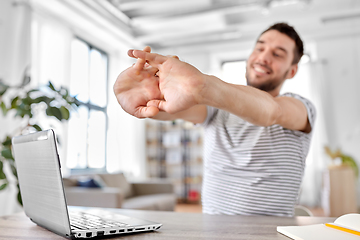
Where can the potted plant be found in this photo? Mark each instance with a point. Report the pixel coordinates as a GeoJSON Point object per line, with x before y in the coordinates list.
{"type": "Point", "coordinates": [25, 103]}
{"type": "Point", "coordinates": [339, 184]}
{"type": "Point", "coordinates": [345, 160]}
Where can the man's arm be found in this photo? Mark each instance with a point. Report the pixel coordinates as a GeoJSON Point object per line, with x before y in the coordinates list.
{"type": "Point", "coordinates": [184, 86]}
{"type": "Point", "coordinates": [256, 106]}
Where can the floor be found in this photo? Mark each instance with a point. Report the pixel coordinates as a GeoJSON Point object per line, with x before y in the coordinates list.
{"type": "Point", "coordinates": [196, 208]}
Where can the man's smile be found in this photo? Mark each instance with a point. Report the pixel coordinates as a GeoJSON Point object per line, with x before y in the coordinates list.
{"type": "Point", "coordinates": [261, 69]}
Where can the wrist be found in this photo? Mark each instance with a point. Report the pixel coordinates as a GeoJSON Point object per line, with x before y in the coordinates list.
{"type": "Point", "coordinates": [210, 91]}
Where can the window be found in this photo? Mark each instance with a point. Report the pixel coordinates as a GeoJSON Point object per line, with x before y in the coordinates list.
{"type": "Point", "coordinates": [88, 125]}
{"type": "Point", "coordinates": [234, 72]}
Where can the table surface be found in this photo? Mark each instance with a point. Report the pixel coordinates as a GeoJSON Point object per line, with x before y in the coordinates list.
{"type": "Point", "coordinates": [175, 226]}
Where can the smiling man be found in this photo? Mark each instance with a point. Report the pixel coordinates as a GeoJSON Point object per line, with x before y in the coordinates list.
{"type": "Point", "coordinates": [256, 141]}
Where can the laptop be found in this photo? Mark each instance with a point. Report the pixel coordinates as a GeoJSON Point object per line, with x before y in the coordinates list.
{"type": "Point", "coordinates": [44, 201]}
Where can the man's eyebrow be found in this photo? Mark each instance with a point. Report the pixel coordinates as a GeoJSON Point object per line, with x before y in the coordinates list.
{"type": "Point", "coordinates": [280, 48]}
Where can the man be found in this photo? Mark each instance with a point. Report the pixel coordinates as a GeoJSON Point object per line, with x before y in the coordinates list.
{"type": "Point", "coordinates": [256, 141]}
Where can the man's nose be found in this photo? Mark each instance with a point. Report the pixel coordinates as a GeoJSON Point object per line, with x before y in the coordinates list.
{"type": "Point", "coordinates": [265, 57]}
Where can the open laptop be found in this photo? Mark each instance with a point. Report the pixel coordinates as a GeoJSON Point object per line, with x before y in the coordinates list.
{"type": "Point", "coordinates": [42, 191]}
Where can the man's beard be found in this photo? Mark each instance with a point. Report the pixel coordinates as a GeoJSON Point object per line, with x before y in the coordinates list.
{"type": "Point", "coordinates": [269, 85]}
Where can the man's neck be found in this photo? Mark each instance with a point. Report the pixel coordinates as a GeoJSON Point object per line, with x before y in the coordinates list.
{"type": "Point", "coordinates": [274, 92]}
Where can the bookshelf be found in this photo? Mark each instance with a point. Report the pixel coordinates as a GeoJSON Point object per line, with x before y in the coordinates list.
{"type": "Point", "coordinates": [175, 152]}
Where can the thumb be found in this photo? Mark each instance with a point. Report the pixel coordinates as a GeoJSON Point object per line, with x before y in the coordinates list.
{"type": "Point", "coordinates": [146, 112]}
{"type": "Point", "coordinates": [160, 104]}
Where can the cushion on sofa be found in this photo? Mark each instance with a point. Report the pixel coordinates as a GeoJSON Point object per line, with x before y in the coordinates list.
{"type": "Point", "coordinates": [89, 183]}
{"type": "Point", "coordinates": [159, 202]}
{"type": "Point", "coordinates": [118, 180]}
{"type": "Point", "coordinates": [70, 182]}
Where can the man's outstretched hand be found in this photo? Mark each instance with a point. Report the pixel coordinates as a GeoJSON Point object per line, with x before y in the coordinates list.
{"type": "Point", "coordinates": [180, 83]}
{"type": "Point", "coordinates": [136, 86]}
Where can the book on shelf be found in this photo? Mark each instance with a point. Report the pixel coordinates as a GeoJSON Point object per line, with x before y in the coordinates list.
{"type": "Point", "coordinates": [344, 227]}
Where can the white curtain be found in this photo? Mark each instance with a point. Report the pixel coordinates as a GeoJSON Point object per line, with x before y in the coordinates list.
{"type": "Point", "coordinates": [51, 44]}
{"type": "Point", "coordinates": [16, 35]}
{"type": "Point", "coordinates": [317, 160]}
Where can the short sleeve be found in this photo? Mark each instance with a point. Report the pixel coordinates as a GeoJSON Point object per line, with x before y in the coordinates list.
{"type": "Point", "coordinates": [311, 110]}
{"type": "Point", "coordinates": [211, 113]}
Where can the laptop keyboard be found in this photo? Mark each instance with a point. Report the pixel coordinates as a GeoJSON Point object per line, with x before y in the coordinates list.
{"type": "Point", "coordinates": [85, 221]}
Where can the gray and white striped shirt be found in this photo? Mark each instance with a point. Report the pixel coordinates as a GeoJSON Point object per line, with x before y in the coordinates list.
{"type": "Point", "coordinates": [252, 170]}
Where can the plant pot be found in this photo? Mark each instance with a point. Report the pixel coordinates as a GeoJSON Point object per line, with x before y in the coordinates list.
{"type": "Point", "coordinates": [339, 191]}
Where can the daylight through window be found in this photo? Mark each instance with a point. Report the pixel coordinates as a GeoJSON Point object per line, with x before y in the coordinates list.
{"type": "Point", "coordinates": [88, 125]}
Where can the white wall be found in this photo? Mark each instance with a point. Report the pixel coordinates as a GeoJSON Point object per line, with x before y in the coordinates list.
{"type": "Point", "coordinates": [341, 61]}
{"type": "Point", "coordinates": [340, 57]}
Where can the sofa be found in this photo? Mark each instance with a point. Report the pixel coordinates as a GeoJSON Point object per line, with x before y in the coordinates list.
{"type": "Point", "coordinates": [114, 191]}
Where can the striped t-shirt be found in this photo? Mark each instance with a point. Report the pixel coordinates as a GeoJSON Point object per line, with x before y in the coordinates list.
{"type": "Point", "coordinates": [252, 170]}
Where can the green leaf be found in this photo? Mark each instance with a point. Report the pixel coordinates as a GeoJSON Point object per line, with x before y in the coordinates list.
{"type": "Point", "coordinates": [14, 102]}
{"type": "Point", "coordinates": [27, 101]}
{"type": "Point", "coordinates": [1, 166]}
{"type": "Point", "coordinates": [26, 80]}
{"type": "Point", "coordinates": [7, 142]}
{"type": "Point", "coordinates": [51, 86]}
{"type": "Point", "coordinates": [54, 111]}
{"type": "Point", "coordinates": [19, 196]}
{"type": "Point", "coordinates": [348, 160]}
{"type": "Point", "coordinates": [2, 175]}
{"type": "Point", "coordinates": [44, 99]}
{"type": "Point", "coordinates": [23, 109]}
{"type": "Point", "coordinates": [3, 88]}
{"type": "Point", "coordinates": [26, 77]}
{"type": "Point", "coordinates": [48, 111]}
{"type": "Point", "coordinates": [64, 92]}
{"type": "Point", "coordinates": [6, 153]}
{"type": "Point", "coordinates": [77, 102]}
{"type": "Point", "coordinates": [65, 113]}
{"type": "Point", "coordinates": [37, 127]}
{"type": "Point", "coordinates": [33, 90]}
{"type": "Point", "coordinates": [3, 186]}
{"type": "Point", "coordinates": [13, 169]}
{"type": "Point", "coordinates": [48, 100]}
{"type": "Point", "coordinates": [3, 108]}
{"type": "Point", "coordinates": [40, 99]}
{"type": "Point", "coordinates": [19, 112]}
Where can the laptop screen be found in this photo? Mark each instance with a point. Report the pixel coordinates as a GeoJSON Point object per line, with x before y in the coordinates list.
{"type": "Point", "coordinates": [40, 180]}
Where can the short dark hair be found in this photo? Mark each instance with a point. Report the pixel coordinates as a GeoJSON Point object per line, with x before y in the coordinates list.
{"type": "Point", "coordinates": [290, 32]}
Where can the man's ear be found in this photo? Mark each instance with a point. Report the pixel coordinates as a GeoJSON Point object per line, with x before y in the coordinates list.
{"type": "Point", "coordinates": [292, 71]}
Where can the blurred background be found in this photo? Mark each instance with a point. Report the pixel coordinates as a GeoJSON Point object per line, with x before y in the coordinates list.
{"type": "Point", "coordinates": [81, 45]}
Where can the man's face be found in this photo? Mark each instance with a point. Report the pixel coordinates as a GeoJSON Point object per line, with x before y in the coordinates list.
{"type": "Point", "coordinates": [270, 63]}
